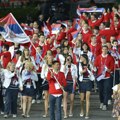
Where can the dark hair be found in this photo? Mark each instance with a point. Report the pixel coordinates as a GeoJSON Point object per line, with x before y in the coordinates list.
{"type": "Point", "coordinates": [6, 47]}
{"type": "Point", "coordinates": [105, 46]}
{"type": "Point", "coordinates": [70, 57]}
{"type": "Point", "coordinates": [86, 57]}
{"type": "Point", "coordinates": [55, 61]}
{"type": "Point", "coordinates": [107, 24]}
{"type": "Point", "coordinates": [40, 47]}
{"type": "Point", "coordinates": [96, 28]}
{"type": "Point", "coordinates": [88, 48]}
{"type": "Point", "coordinates": [103, 37]}
{"type": "Point", "coordinates": [114, 41]}
{"type": "Point", "coordinates": [18, 52]}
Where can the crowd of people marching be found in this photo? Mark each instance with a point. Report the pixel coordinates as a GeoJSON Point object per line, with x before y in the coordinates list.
{"type": "Point", "coordinates": [57, 63]}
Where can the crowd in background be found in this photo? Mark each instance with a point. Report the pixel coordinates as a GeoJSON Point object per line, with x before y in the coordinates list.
{"type": "Point", "coordinates": [84, 53]}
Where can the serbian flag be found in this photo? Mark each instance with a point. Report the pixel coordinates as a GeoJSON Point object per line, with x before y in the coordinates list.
{"type": "Point", "coordinates": [12, 31]}
{"type": "Point", "coordinates": [28, 30]}
{"type": "Point", "coordinates": [76, 23]}
{"type": "Point", "coordinates": [91, 9]}
{"type": "Point", "coordinates": [56, 28]}
{"type": "Point", "coordinates": [75, 34]}
{"type": "Point", "coordinates": [45, 30]}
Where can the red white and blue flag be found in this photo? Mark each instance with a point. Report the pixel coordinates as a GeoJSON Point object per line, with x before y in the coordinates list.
{"type": "Point", "coordinates": [45, 30]}
{"type": "Point", "coordinates": [28, 30]}
{"type": "Point", "coordinates": [91, 9]}
{"type": "Point", "coordinates": [56, 28]}
{"type": "Point", "coordinates": [12, 31]}
{"type": "Point", "coordinates": [75, 34]}
{"type": "Point", "coordinates": [76, 23]}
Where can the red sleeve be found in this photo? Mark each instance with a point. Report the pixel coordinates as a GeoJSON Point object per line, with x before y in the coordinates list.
{"type": "Point", "coordinates": [111, 66]}
{"type": "Point", "coordinates": [50, 78]}
{"type": "Point", "coordinates": [96, 62]}
{"type": "Point", "coordinates": [97, 23]}
{"type": "Point", "coordinates": [63, 79]}
{"type": "Point", "coordinates": [61, 36]}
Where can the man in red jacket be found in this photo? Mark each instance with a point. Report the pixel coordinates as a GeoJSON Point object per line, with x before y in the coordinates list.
{"type": "Point", "coordinates": [5, 56]}
{"type": "Point", "coordinates": [56, 90]}
{"type": "Point", "coordinates": [105, 66]}
{"type": "Point", "coordinates": [107, 32]}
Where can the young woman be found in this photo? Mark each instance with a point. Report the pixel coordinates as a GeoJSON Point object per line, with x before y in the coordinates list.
{"type": "Point", "coordinates": [70, 71]}
{"type": "Point", "coordinates": [1, 90]}
{"type": "Point", "coordinates": [86, 50]}
{"type": "Point", "coordinates": [23, 58]}
{"type": "Point", "coordinates": [12, 85]}
{"type": "Point", "coordinates": [45, 86]}
{"type": "Point", "coordinates": [28, 78]}
{"type": "Point", "coordinates": [20, 65]}
{"type": "Point", "coordinates": [85, 84]}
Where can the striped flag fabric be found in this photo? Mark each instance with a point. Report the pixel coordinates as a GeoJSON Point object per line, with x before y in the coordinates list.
{"type": "Point", "coordinates": [12, 31]}
{"type": "Point", "coordinates": [91, 9]}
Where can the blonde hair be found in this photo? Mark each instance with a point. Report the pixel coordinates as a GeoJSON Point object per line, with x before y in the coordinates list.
{"type": "Point", "coordinates": [30, 66]}
{"type": "Point", "coordinates": [9, 64]}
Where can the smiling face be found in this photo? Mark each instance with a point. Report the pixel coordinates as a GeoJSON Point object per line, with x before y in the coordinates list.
{"type": "Point", "coordinates": [104, 50]}
{"type": "Point", "coordinates": [12, 67]}
{"type": "Point", "coordinates": [69, 60]}
{"type": "Point", "coordinates": [56, 66]}
{"type": "Point", "coordinates": [85, 47]}
{"type": "Point", "coordinates": [26, 52]}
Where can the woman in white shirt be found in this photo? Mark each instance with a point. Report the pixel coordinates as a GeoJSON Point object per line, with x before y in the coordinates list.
{"type": "Point", "coordinates": [70, 71]}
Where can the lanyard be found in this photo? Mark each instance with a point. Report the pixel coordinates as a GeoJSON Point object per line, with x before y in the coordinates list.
{"type": "Point", "coordinates": [103, 64]}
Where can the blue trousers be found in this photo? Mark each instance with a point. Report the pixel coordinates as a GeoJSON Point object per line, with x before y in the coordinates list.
{"type": "Point", "coordinates": [11, 96]}
{"type": "Point", "coordinates": [104, 90]}
{"type": "Point", "coordinates": [55, 100]}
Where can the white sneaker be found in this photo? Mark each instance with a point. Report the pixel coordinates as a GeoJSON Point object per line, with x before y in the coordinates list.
{"type": "Point", "coordinates": [2, 113]}
{"type": "Point", "coordinates": [14, 115]}
{"type": "Point", "coordinates": [5, 116]}
{"type": "Point", "coordinates": [109, 102]}
{"type": "Point", "coordinates": [101, 105]}
{"type": "Point", "coordinates": [104, 107]}
{"type": "Point", "coordinates": [33, 101]}
{"type": "Point", "coordinates": [38, 101]}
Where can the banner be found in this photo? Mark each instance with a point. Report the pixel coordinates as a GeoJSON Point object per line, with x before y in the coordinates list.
{"type": "Point", "coordinates": [12, 31]}
{"type": "Point", "coordinates": [92, 9]}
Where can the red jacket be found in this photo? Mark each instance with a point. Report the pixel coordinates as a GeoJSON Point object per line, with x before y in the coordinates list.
{"type": "Point", "coordinates": [60, 37]}
{"type": "Point", "coordinates": [32, 49]}
{"type": "Point", "coordinates": [61, 78]}
{"type": "Point", "coordinates": [101, 62]}
{"type": "Point", "coordinates": [96, 23]}
{"type": "Point", "coordinates": [6, 58]}
{"type": "Point", "coordinates": [86, 36]}
{"type": "Point", "coordinates": [108, 33]}
{"type": "Point", "coordinates": [96, 50]}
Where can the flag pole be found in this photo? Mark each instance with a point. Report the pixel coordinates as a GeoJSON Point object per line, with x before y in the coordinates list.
{"type": "Point", "coordinates": [36, 50]}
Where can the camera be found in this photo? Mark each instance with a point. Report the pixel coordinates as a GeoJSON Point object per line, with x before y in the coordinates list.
{"type": "Point", "coordinates": [69, 66]}
{"type": "Point", "coordinates": [68, 59]}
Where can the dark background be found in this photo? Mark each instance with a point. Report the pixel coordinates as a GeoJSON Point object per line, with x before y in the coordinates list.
{"type": "Point", "coordinates": [28, 10]}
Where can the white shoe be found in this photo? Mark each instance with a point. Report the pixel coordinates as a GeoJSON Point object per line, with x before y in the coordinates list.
{"type": "Point", "coordinates": [109, 102]}
{"type": "Point", "coordinates": [14, 115]}
{"type": "Point", "coordinates": [104, 107]}
{"type": "Point", "coordinates": [2, 113]}
{"type": "Point", "coordinates": [5, 116]}
{"type": "Point", "coordinates": [38, 101]}
{"type": "Point", "coordinates": [27, 116]}
{"type": "Point", "coordinates": [101, 105]}
{"type": "Point", "coordinates": [33, 101]}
